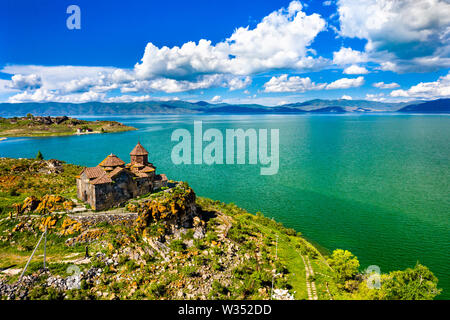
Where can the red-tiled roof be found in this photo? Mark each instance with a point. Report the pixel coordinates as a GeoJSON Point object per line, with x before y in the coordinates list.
{"type": "Point", "coordinates": [93, 172]}
{"type": "Point", "coordinates": [141, 174]}
{"type": "Point", "coordinates": [115, 172]}
{"type": "Point", "coordinates": [139, 150]}
{"type": "Point", "coordinates": [112, 161]}
{"type": "Point", "coordinates": [147, 169]}
{"type": "Point", "coordinates": [101, 180]}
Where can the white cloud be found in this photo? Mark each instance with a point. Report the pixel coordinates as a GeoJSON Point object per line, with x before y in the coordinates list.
{"type": "Point", "coordinates": [60, 83]}
{"type": "Point", "coordinates": [347, 56]}
{"type": "Point", "coordinates": [216, 99]}
{"type": "Point", "coordinates": [383, 85]}
{"type": "Point", "coordinates": [403, 36]}
{"type": "Point", "coordinates": [345, 97]}
{"type": "Point", "coordinates": [201, 82]}
{"type": "Point", "coordinates": [345, 83]}
{"type": "Point", "coordinates": [25, 82]}
{"type": "Point", "coordinates": [130, 98]}
{"type": "Point", "coordinates": [280, 40]}
{"type": "Point", "coordinates": [375, 97]}
{"type": "Point", "coordinates": [5, 87]}
{"type": "Point", "coordinates": [55, 77]}
{"type": "Point", "coordinates": [44, 95]}
{"type": "Point", "coordinates": [284, 83]}
{"type": "Point", "coordinates": [354, 69]}
{"type": "Point", "coordinates": [427, 90]}
{"type": "Point", "coordinates": [237, 83]}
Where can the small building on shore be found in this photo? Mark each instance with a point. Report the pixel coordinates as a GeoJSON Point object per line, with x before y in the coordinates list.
{"type": "Point", "coordinates": [113, 182]}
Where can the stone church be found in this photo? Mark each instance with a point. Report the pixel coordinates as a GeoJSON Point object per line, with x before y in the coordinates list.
{"type": "Point", "coordinates": [113, 182]}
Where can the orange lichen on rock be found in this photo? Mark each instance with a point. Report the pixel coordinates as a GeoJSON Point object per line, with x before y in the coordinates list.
{"type": "Point", "coordinates": [70, 226]}
{"type": "Point", "coordinates": [30, 204]}
{"type": "Point", "coordinates": [87, 236]}
{"type": "Point", "coordinates": [171, 205]}
{"type": "Point", "coordinates": [49, 222]}
{"type": "Point", "coordinates": [50, 203]}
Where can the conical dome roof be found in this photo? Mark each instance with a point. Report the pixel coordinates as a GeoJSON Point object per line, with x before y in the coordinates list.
{"type": "Point", "coordinates": [139, 150]}
{"type": "Point", "coordinates": [112, 161]}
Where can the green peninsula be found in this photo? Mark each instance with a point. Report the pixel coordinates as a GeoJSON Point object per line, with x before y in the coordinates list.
{"type": "Point", "coordinates": [168, 244]}
{"type": "Point", "coordinates": [37, 126]}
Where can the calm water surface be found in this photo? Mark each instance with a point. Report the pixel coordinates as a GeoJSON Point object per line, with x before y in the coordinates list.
{"type": "Point", "coordinates": [377, 185]}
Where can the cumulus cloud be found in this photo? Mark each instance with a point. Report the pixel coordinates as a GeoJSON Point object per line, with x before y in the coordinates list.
{"type": "Point", "coordinates": [345, 83]}
{"type": "Point", "coordinates": [237, 83]}
{"type": "Point", "coordinates": [57, 82]}
{"type": "Point", "coordinates": [44, 95]}
{"type": "Point", "coordinates": [345, 97]}
{"type": "Point", "coordinates": [375, 97]}
{"type": "Point", "coordinates": [347, 56]}
{"type": "Point", "coordinates": [5, 87]}
{"type": "Point", "coordinates": [130, 98]}
{"type": "Point", "coordinates": [280, 40]}
{"type": "Point", "coordinates": [436, 89]}
{"type": "Point", "coordinates": [201, 82]}
{"type": "Point", "coordinates": [55, 77]}
{"type": "Point", "coordinates": [216, 99]}
{"type": "Point", "coordinates": [383, 85]}
{"type": "Point", "coordinates": [354, 69]}
{"type": "Point", "coordinates": [284, 83]}
{"type": "Point", "coordinates": [403, 36]}
{"type": "Point", "coordinates": [25, 82]}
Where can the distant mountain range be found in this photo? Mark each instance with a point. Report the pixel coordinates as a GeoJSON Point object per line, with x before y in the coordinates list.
{"type": "Point", "coordinates": [183, 107]}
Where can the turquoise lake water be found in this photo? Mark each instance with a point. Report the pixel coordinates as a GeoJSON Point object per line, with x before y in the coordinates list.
{"type": "Point", "coordinates": [377, 185]}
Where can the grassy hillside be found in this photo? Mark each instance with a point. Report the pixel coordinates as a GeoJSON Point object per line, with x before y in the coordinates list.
{"type": "Point", "coordinates": [227, 253]}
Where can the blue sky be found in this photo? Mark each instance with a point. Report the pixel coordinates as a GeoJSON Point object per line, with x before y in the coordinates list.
{"type": "Point", "coordinates": [267, 52]}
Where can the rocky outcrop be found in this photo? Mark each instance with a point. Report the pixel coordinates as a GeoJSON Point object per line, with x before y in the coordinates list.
{"type": "Point", "coordinates": [23, 289]}
{"type": "Point", "coordinates": [175, 207]}
{"type": "Point", "coordinates": [47, 204]}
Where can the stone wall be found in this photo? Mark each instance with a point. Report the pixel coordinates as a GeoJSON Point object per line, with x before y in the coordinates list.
{"type": "Point", "coordinates": [110, 218]}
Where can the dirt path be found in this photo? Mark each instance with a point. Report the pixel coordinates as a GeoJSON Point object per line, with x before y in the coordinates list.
{"type": "Point", "coordinates": [310, 285]}
{"type": "Point", "coordinates": [225, 227]}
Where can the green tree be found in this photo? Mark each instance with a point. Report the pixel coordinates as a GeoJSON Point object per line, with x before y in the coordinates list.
{"type": "Point", "coordinates": [344, 264]}
{"type": "Point", "coordinates": [39, 156]}
{"type": "Point", "coordinates": [418, 283]}
{"type": "Point", "coordinates": [30, 116]}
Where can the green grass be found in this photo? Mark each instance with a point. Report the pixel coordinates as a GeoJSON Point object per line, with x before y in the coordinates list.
{"type": "Point", "coordinates": [290, 246]}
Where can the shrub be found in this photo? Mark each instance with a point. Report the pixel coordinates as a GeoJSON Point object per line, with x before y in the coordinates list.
{"type": "Point", "coordinates": [13, 192]}
{"type": "Point", "coordinates": [177, 245]}
{"type": "Point", "coordinates": [39, 156]}
{"type": "Point", "coordinates": [157, 289]}
{"type": "Point", "coordinates": [345, 265]}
